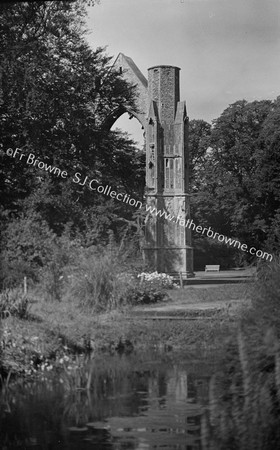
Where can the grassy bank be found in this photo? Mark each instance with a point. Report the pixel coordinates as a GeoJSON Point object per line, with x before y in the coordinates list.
{"type": "Point", "coordinates": [53, 328]}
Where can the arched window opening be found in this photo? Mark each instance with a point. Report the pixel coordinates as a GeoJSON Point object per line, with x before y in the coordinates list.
{"type": "Point", "coordinates": [129, 124]}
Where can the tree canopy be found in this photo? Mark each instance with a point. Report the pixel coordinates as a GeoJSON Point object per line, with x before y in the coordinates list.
{"type": "Point", "coordinates": [236, 184]}
{"type": "Point", "coordinates": [55, 93]}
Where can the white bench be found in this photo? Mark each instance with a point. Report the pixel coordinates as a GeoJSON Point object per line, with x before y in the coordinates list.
{"type": "Point", "coordinates": [212, 268]}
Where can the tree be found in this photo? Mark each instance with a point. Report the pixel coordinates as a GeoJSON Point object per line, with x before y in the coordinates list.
{"type": "Point", "coordinates": [55, 94]}
{"type": "Point", "coordinates": [268, 177]}
{"type": "Point", "coordinates": [237, 185]}
{"type": "Point", "coordinates": [198, 143]}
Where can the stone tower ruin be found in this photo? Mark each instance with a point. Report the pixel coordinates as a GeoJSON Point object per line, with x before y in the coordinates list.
{"type": "Point", "coordinates": [167, 247]}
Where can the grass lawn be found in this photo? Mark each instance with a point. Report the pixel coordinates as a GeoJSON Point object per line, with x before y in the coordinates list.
{"type": "Point", "coordinates": [211, 293]}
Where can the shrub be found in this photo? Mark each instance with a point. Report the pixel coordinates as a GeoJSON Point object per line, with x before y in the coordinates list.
{"type": "Point", "coordinates": [101, 282]}
{"type": "Point", "coordinates": [13, 303]}
{"type": "Point", "coordinates": [27, 243]}
{"type": "Point", "coordinates": [150, 288]}
{"type": "Point", "coordinates": [97, 281]}
{"type": "Point", "coordinates": [144, 294]}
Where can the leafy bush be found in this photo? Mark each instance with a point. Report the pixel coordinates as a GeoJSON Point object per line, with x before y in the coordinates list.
{"type": "Point", "coordinates": [13, 303]}
{"type": "Point", "coordinates": [150, 288]}
{"type": "Point", "coordinates": [27, 243]}
{"type": "Point", "coordinates": [144, 294]}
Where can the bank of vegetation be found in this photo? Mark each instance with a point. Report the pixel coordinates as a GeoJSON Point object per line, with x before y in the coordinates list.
{"type": "Point", "coordinates": [91, 305]}
{"type": "Point", "coordinates": [244, 397]}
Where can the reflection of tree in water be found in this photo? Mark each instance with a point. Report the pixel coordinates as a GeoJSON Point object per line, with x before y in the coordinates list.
{"type": "Point", "coordinates": [132, 402]}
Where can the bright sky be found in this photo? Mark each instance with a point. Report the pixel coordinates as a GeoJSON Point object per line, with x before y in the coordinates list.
{"type": "Point", "coordinates": [227, 49]}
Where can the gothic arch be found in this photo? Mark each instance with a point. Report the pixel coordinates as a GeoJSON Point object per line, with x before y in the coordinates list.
{"type": "Point", "coordinates": [118, 112]}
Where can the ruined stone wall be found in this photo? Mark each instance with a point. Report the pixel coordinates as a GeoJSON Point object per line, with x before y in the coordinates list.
{"type": "Point", "coordinates": [133, 75]}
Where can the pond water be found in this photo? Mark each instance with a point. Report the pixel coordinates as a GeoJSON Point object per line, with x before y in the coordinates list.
{"type": "Point", "coordinates": [136, 401]}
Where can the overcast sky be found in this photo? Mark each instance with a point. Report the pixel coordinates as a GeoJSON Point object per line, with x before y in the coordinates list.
{"type": "Point", "coordinates": [227, 49]}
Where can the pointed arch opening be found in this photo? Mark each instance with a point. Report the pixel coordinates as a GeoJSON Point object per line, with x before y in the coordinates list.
{"type": "Point", "coordinates": [128, 123]}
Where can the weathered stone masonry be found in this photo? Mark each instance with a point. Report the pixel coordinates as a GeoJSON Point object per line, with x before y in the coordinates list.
{"type": "Point", "coordinates": [164, 119]}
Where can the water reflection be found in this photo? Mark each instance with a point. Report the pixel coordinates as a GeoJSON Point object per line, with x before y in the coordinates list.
{"type": "Point", "coordinates": [137, 402]}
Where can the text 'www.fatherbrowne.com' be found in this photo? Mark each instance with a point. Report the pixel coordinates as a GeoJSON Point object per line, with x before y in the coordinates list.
{"type": "Point", "coordinates": [31, 160]}
{"type": "Point", "coordinates": [189, 223]}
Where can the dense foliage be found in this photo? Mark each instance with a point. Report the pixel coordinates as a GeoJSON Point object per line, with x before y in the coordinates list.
{"type": "Point", "coordinates": [236, 177]}
{"type": "Point", "coordinates": [55, 93]}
